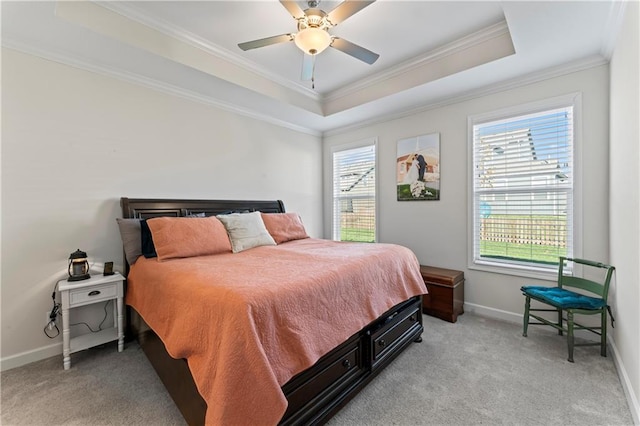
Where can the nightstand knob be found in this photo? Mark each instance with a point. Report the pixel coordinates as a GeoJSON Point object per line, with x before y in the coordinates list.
{"type": "Point", "coordinates": [346, 364]}
{"type": "Point", "coordinates": [382, 343]}
{"type": "Point", "coordinates": [94, 293]}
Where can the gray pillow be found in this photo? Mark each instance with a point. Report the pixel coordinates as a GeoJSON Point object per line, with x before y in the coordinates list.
{"type": "Point", "coordinates": [131, 236]}
{"type": "Point", "coordinates": [131, 240]}
{"type": "Point", "coordinates": [246, 230]}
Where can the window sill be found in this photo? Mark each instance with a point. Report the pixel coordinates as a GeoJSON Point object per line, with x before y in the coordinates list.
{"type": "Point", "coordinates": [519, 271]}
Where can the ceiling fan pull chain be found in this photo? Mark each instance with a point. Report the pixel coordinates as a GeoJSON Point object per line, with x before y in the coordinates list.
{"type": "Point", "coordinates": [313, 72]}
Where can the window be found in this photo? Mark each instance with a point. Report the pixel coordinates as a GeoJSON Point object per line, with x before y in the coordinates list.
{"type": "Point", "coordinates": [354, 194]}
{"type": "Point", "coordinates": [523, 188]}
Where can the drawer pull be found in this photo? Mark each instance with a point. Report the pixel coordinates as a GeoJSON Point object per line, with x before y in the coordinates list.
{"type": "Point", "coordinates": [382, 343]}
{"type": "Point", "coordinates": [413, 318]}
{"type": "Point", "coordinates": [94, 293]}
{"type": "Point", "coordinates": [346, 363]}
{"type": "Point", "coordinates": [391, 317]}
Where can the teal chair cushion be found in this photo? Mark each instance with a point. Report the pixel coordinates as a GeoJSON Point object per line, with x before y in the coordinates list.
{"type": "Point", "coordinates": [561, 298]}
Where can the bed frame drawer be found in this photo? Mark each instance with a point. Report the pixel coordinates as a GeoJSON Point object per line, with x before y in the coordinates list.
{"type": "Point", "coordinates": [396, 329]}
{"type": "Point", "coordinates": [337, 374]}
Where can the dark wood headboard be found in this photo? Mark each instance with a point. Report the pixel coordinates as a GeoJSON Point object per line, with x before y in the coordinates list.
{"type": "Point", "coordinates": [144, 208]}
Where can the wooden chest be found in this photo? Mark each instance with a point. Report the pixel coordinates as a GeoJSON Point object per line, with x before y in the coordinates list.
{"type": "Point", "coordinates": [446, 292]}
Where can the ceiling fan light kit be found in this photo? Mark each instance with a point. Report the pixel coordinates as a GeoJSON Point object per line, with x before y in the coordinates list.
{"type": "Point", "coordinates": [313, 37]}
{"type": "Point", "coordinates": [313, 33]}
{"type": "Point", "coordinates": [312, 40]}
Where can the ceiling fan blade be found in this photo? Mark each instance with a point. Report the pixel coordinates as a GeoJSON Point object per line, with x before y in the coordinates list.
{"type": "Point", "coordinates": [308, 62]}
{"type": "Point", "coordinates": [293, 8]}
{"type": "Point", "coordinates": [354, 50]}
{"type": "Point", "coordinates": [346, 9]}
{"type": "Point", "coordinates": [265, 41]}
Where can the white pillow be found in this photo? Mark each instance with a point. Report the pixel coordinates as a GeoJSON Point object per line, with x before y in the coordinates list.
{"type": "Point", "coordinates": [246, 230]}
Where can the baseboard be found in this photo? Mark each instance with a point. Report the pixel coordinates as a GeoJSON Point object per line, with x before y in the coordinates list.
{"type": "Point", "coordinates": [28, 357]}
{"type": "Point", "coordinates": [516, 318]}
{"type": "Point", "coordinates": [485, 311]}
{"type": "Point", "coordinates": [632, 398]}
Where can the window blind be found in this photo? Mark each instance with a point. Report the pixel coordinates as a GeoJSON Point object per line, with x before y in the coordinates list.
{"type": "Point", "coordinates": [354, 194]}
{"type": "Point", "coordinates": [523, 189]}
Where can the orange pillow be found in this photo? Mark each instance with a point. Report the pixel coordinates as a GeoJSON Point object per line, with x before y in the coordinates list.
{"type": "Point", "coordinates": [284, 227]}
{"type": "Point", "coordinates": [175, 237]}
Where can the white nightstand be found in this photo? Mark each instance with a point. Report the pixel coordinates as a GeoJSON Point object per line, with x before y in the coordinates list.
{"type": "Point", "coordinates": [98, 288]}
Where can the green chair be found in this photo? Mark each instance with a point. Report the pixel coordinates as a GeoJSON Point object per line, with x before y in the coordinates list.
{"type": "Point", "coordinates": [572, 303]}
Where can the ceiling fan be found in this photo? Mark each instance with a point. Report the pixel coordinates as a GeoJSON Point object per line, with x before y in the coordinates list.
{"type": "Point", "coordinates": [313, 33]}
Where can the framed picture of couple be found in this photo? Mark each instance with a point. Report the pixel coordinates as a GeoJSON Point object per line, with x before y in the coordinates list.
{"type": "Point", "coordinates": [418, 168]}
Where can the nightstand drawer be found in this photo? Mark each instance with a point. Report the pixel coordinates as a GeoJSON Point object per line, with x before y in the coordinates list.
{"type": "Point", "coordinates": [93, 294]}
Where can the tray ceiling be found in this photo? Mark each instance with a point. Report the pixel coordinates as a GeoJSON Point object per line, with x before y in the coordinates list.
{"type": "Point", "coordinates": [431, 52]}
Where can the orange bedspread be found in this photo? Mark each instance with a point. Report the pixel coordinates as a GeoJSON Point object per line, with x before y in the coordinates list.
{"type": "Point", "coordinates": [248, 322]}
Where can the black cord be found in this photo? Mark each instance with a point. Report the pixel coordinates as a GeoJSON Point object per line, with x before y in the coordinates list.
{"type": "Point", "coordinates": [55, 311]}
{"type": "Point", "coordinates": [101, 322]}
{"type": "Point", "coordinates": [53, 315]}
{"type": "Point", "coordinates": [53, 326]}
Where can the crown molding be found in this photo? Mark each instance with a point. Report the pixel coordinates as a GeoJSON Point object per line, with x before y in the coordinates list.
{"type": "Point", "coordinates": [135, 14]}
{"type": "Point", "coordinates": [549, 73]}
{"type": "Point", "coordinates": [459, 45]}
{"type": "Point", "coordinates": [82, 63]}
{"type": "Point", "coordinates": [68, 59]}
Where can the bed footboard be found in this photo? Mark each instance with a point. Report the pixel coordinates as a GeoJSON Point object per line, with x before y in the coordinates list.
{"type": "Point", "coordinates": [317, 393]}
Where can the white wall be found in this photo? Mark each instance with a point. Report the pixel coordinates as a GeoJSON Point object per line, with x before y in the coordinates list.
{"type": "Point", "coordinates": [624, 193]}
{"type": "Point", "coordinates": [74, 142]}
{"type": "Point", "coordinates": [437, 230]}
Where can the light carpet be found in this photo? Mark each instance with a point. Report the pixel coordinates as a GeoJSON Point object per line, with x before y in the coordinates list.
{"type": "Point", "coordinates": [476, 371]}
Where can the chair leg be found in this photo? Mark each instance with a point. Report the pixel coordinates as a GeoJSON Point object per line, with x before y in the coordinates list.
{"type": "Point", "coordinates": [603, 333]}
{"type": "Point", "coordinates": [527, 304]}
{"type": "Point", "coordinates": [560, 322]}
{"type": "Point", "coordinates": [570, 334]}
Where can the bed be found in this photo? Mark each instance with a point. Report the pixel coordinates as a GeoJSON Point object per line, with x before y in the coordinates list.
{"type": "Point", "coordinates": [266, 352]}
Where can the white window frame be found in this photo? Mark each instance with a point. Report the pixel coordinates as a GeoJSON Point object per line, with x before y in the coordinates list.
{"type": "Point", "coordinates": [373, 141]}
{"type": "Point", "coordinates": [529, 271]}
